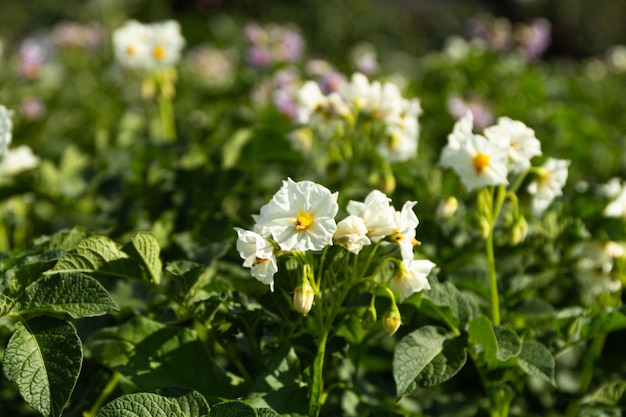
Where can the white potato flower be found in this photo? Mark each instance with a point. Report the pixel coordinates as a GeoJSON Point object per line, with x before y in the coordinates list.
{"type": "Point", "coordinates": [377, 213]}
{"type": "Point", "coordinates": [549, 184]}
{"type": "Point", "coordinates": [406, 223]}
{"type": "Point", "coordinates": [478, 161]}
{"type": "Point", "coordinates": [166, 44]}
{"type": "Point", "coordinates": [411, 277]}
{"type": "Point", "coordinates": [258, 255]}
{"type": "Point", "coordinates": [522, 143]}
{"type": "Point", "coordinates": [300, 216]}
{"type": "Point", "coordinates": [352, 232]}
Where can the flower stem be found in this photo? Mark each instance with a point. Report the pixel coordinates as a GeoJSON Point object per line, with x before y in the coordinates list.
{"type": "Point", "coordinates": [104, 394]}
{"type": "Point", "coordinates": [316, 399]}
{"type": "Point", "coordinates": [493, 280]}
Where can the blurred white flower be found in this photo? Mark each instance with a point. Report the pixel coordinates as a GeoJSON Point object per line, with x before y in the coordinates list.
{"type": "Point", "coordinates": [617, 192]}
{"type": "Point", "coordinates": [549, 184]}
{"type": "Point", "coordinates": [166, 44]}
{"type": "Point", "coordinates": [523, 145]}
{"type": "Point", "coordinates": [6, 129]}
{"type": "Point", "coordinates": [131, 45]}
{"type": "Point", "coordinates": [411, 277]}
{"type": "Point", "coordinates": [376, 212]}
{"type": "Point", "coordinates": [17, 160]}
{"type": "Point", "coordinates": [148, 46]}
{"type": "Point", "coordinates": [258, 255]}
{"type": "Point", "coordinates": [300, 216]}
{"type": "Point", "coordinates": [352, 232]}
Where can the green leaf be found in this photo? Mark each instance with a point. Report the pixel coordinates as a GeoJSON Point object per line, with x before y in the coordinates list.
{"type": "Point", "coordinates": [481, 333]}
{"type": "Point", "coordinates": [445, 365]}
{"type": "Point", "coordinates": [191, 402]}
{"type": "Point", "coordinates": [609, 394]}
{"type": "Point", "coordinates": [44, 357]}
{"type": "Point", "coordinates": [266, 412]}
{"type": "Point", "coordinates": [28, 270]}
{"type": "Point", "coordinates": [100, 255]}
{"type": "Point", "coordinates": [142, 404]}
{"type": "Point", "coordinates": [153, 356]}
{"type": "Point", "coordinates": [232, 409]}
{"type": "Point", "coordinates": [144, 248]}
{"type": "Point", "coordinates": [67, 292]}
{"type": "Point", "coordinates": [417, 351]}
{"type": "Point", "coordinates": [509, 343]}
{"type": "Point", "coordinates": [606, 322]}
{"type": "Point", "coordinates": [65, 239]}
{"type": "Point", "coordinates": [446, 302]}
{"type": "Point", "coordinates": [536, 360]}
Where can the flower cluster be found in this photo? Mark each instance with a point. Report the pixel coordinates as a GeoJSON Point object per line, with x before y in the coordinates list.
{"type": "Point", "coordinates": [329, 114]}
{"type": "Point", "coordinates": [148, 47]}
{"type": "Point", "coordinates": [502, 151]}
{"type": "Point", "coordinates": [300, 217]}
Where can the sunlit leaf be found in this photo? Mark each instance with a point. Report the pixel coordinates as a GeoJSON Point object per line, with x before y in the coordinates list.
{"type": "Point", "coordinates": [144, 248]}
{"type": "Point", "coordinates": [67, 292]}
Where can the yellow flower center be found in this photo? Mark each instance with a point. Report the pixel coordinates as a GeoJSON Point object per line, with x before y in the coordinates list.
{"type": "Point", "coordinates": [544, 176]}
{"type": "Point", "coordinates": [159, 53]}
{"type": "Point", "coordinates": [303, 221]}
{"type": "Point", "coordinates": [481, 162]}
{"type": "Point", "coordinates": [130, 50]}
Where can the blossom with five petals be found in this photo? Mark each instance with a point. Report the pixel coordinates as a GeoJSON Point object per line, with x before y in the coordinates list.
{"type": "Point", "coordinates": [300, 216]}
{"type": "Point", "coordinates": [377, 213]}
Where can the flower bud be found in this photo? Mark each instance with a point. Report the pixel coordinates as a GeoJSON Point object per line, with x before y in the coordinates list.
{"type": "Point", "coordinates": [447, 207]}
{"type": "Point", "coordinates": [519, 231]}
{"type": "Point", "coordinates": [391, 320]}
{"type": "Point", "coordinates": [303, 297]}
{"type": "Point", "coordinates": [368, 319]}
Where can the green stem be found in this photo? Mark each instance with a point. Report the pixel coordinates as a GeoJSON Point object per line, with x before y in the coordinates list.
{"type": "Point", "coordinates": [104, 394]}
{"type": "Point", "coordinates": [493, 280]}
{"type": "Point", "coordinates": [316, 399]}
{"type": "Point", "coordinates": [167, 118]}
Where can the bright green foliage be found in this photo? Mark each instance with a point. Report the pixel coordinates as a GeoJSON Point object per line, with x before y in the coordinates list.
{"type": "Point", "coordinates": [44, 357]}
{"type": "Point", "coordinates": [536, 360]}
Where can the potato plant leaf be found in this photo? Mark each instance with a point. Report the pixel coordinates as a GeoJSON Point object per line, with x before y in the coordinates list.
{"type": "Point", "coordinates": [536, 360]}
{"type": "Point", "coordinates": [191, 402]}
{"type": "Point", "coordinates": [141, 404]}
{"type": "Point", "coordinates": [232, 409]}
{"type": "Point", "coordinates": [144, 248]}
{"type": "Point", "coordinates": [44, 357]}
{"type": "Point", "coordinates": [72, 293]}
{"type": "Point", "coordinates": [99, 255]}
{"type": "Point", "coordinates": [427, 351]}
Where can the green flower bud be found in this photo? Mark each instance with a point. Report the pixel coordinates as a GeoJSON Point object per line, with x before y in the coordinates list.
{"type": "Point", "coordinates": [368, 319]}
{"type": "Point", "coordinates": [519, 231]}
